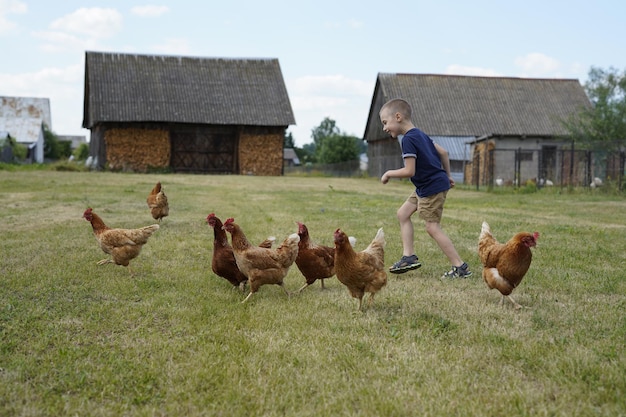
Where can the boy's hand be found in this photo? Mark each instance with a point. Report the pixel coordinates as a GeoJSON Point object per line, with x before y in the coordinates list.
{"type": "Point", "coordinates": [451, 182]}
{"type": "Point", "coordinates": [385, 178]}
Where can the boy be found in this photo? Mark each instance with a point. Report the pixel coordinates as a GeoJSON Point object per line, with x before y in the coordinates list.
{"type": "Point", "coordinates": [428, 166]}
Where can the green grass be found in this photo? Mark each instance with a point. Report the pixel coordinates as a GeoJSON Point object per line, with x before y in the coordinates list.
{"type": "Point", "coordinates": [82, 339]}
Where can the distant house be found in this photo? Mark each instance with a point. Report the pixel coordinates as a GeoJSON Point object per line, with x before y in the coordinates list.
{"type": "Point", "coordinates": [187, 114]}
{"type": "Point", "coordinates": [23, 118]}
{"type": "Point", "coordinates": [473, 116]}
{"type": "Point", "coordinates": [290, 158]}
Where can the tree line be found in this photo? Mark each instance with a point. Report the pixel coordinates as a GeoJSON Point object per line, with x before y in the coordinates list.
{"type": "Point", "coordinates": [330, 145]}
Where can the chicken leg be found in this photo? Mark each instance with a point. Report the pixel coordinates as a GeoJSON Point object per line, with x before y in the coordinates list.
{"type": "Point", "coordinates": [516, 305]}
{"type": "Point", "coordinates": [282, 285]}
{"type": "Point", "coordinates": [110, 261]}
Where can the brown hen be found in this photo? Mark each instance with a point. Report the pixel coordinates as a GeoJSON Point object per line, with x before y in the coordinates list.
{"type": "Point", "coordinates": [315, 261]}
{"type": "Point", "coordinates": [505, 264]}
{"type": "Point", "coordinates": [122, 244]}
{"type": "Point", "coordinates": [157, 202]}
{"type": "Point", "coordinates": [361, 271]}
{"type": "Point", "coordinates": [262, 265]}
{"type": "Point", "coordinates": [223, 262]}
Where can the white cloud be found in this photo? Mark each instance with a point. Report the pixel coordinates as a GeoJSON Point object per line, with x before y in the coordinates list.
{"type": "Point", "coordinates": [538, 65]}
{"type": "Point", "coordinates": [149, 10]}
{"type": "Point", "coordinates": [355, 24]}
{"type": "Point", "coordinates": [474, 71]}
{"type": "Point", "coordinates": [60, 42]}
{"type": "Point", "coordinates": [8, 7]}
{"type": "Point", "coordinates": [12, 6]}
{"type": "Point", "coordinates": [95, 22]}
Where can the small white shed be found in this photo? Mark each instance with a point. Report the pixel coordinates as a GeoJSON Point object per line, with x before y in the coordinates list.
{"type": "Point", "coordinates": [24, 119]}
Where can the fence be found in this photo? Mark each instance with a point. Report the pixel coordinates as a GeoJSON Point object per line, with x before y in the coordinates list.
{"type": "Point", "coordinates": [549, 166]}
{"type": "Point", "coordinates": [342, 169]}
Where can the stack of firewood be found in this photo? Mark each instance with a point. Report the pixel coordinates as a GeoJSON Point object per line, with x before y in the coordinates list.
{"type": "Point", "coordinates": [137, 149]}
{"type": "Point", "coordinates": [261, 154]}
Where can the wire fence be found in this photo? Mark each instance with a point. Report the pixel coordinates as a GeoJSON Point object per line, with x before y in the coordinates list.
{"type": "Point", "coordinates": [550, 166]}
{"type": "Point", "coordinates": [546, 167]}
{"type": "Point", "coordinates": [342, 169]}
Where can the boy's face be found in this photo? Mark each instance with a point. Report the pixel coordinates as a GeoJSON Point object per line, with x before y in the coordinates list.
{"type": "Point", "coordinates": [391, 123]}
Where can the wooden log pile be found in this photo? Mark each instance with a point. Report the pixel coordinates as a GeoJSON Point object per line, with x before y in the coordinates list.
{"type": "Point", "coordinates": [477, 170]}
{"type": "Point", "coordinates": [137, 150]}
{"type": "Point", "coordinates": [261, 154]}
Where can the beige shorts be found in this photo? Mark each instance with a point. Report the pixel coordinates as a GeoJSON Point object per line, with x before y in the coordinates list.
{"type": "Point", "coordinates": [429, 208]}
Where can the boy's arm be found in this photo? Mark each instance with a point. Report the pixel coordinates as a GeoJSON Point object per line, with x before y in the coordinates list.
{"type": "Point", "coordinates": [445, 161]}
{"type": "Point", "coordinates": [443, 156]}
{"type": "Point", "coordinates": [405, 172]}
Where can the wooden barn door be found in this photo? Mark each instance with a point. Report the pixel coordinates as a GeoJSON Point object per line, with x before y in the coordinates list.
{"type": "Point", "coordinates": [206, 152]}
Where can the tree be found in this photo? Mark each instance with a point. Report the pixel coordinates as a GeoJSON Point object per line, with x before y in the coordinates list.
{"type": "Point", "coordinates": [81, 153]}
{"type": "Point", "coordinates": [288, 142]}
{"type": "Point", "coordinates": [603, 125]}
{"type": "Point", "coordinates": [331, 145]}
{"type": "Point", "coordinates": [338, 148]}
{"type": "Point", "coordinates": [53, 148]}
{"type": "Point", "coordinates": [18, 150]}
{"type": "Point", "coordinates": [307, 153]}
{"type": "Point", "coordinates": [326, 129]}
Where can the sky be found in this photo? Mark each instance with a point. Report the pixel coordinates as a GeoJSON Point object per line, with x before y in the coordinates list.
{"type": "Point", "coordinates": [330, 51]}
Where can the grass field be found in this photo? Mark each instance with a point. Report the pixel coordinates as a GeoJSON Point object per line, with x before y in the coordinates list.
{"type": "Point", "coordinates": [77, 339]}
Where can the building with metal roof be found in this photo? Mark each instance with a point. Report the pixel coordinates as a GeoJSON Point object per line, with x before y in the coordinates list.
{"type": "Point", "coordinates": [510, 112]}
{"type": "Point", "coordinates": [23, 118]}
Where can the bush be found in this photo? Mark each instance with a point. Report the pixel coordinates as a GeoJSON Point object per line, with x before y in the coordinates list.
{"type": "Point", "coordinates": [53, 148]}
{"type": "Point", "coordinates": [81, 153]}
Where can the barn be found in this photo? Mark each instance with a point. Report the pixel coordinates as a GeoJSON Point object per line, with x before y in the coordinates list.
{"type": "Point", "coordinates": [186, 114]}
{"type": "Point", "coordinates": [520, 118]}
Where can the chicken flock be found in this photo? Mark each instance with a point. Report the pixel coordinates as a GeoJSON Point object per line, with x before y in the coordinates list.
{"type": "Point", "coordinates": [243, 264]}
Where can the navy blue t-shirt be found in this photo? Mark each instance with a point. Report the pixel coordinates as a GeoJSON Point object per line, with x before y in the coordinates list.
{"type": "Point", "coordinates": [430, 178]}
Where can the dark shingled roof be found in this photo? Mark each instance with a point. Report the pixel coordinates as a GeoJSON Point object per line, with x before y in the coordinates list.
{"type": "Point", "coordinates": [177, 89]}
{"type": "Point", "coordinates": [449, 105]}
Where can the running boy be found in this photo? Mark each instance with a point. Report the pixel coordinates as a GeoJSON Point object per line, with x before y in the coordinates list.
{"type": "Point", "coordinates": [428, 166]}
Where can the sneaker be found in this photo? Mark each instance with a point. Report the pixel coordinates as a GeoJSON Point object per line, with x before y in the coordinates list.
{"type": "Point", "coordinates": [405, 264]}
{"type": "Point", "coordinates": [462, 271]}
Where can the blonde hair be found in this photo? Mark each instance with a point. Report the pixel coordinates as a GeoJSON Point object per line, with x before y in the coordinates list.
{"type": "Point", "coordinates": [397, 105]}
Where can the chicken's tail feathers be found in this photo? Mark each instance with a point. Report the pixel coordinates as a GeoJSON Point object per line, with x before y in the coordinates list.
{"type": "Point", "coordinates": [294, 237]}
{"type": "Point", "coordinates": [268, 243]}
{"type": "Point", "coordinates": [485, 230]}
{"type": "Point", "coordinates": [380, 236]}
{"type": "Point", "coordinates": [379, 239]}
{"type": "Point", "coordinates": [290, 244]}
